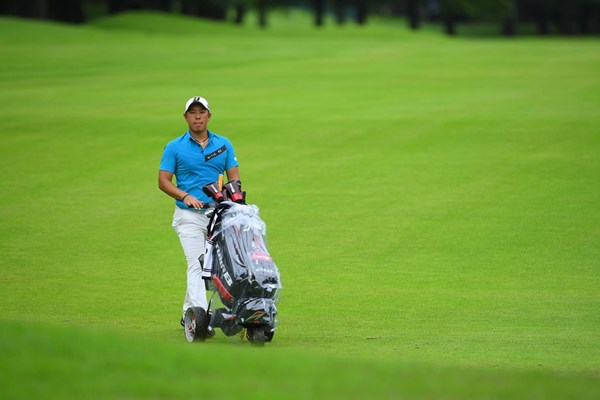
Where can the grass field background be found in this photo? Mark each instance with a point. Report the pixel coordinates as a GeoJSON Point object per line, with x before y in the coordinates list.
{"type": "Point", "coordinates": [432, 204]}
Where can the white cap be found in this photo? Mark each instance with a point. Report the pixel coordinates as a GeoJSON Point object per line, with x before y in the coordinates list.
{"type": "Point", "coordinates": [197, 99]}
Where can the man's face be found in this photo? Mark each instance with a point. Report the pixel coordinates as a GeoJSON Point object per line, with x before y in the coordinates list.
{"type": "Point", "coordinates": [197, 118]}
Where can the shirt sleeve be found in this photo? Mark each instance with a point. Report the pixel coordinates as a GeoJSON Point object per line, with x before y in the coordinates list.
{"type": "Point", "coordinates": [169, 159]}
{"type": "Point", "coordinates": [232, 160]}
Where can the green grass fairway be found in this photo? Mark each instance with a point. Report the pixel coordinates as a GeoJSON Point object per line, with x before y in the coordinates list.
{"type": "Point", "coordinates": [433, 205]}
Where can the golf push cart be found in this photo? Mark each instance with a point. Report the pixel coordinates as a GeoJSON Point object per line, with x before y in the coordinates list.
{"type": "Point", "coordinates": [241, 278]}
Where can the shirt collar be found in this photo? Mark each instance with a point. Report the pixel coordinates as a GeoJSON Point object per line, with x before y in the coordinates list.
{"type": "Point", "coordinates": [190, 137]}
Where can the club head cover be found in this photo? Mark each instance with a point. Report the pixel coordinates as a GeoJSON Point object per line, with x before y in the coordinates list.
{"type": "Point", "coordinates": [233, 191]}
{"type": "Point", "coordinates": [212, 191]}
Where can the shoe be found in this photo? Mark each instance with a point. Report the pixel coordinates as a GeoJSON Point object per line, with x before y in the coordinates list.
{"type": "Point", "coordinates": [182, 322]}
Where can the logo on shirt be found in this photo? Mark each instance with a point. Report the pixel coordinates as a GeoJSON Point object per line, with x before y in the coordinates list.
{"type": "Point", "coordinates": [215, 153]}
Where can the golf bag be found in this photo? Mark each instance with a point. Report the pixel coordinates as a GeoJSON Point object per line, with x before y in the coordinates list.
{"type": "Point", "coordinates": [243, 281]}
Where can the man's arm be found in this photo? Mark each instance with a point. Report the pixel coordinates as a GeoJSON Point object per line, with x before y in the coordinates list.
{"type": "Point", "coordinates": [165, 183]}
{"type": "Point", "coordinates": [233, 173]}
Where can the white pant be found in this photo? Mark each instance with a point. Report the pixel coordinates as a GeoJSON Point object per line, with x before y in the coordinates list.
{"type": "Point", "coordinates": [190, 226]}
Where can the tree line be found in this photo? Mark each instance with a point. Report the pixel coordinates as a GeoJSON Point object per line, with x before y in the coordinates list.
{"type": "Point", "coordinates": [566, 17]}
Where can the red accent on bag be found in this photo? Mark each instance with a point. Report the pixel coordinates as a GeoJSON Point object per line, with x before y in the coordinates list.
{"type": "Point", "coordinates": [225, 295]}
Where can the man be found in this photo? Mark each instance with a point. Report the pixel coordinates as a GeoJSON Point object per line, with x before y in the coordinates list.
{"type": "Point", "coordinates": [195, 158]}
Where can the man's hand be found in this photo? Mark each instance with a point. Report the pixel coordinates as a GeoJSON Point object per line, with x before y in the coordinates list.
{"type": "Point", "coordinates": [193, 202]}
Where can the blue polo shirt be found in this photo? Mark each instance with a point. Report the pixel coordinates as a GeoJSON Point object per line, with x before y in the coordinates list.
{"type": "Point", "coordinates": [194, 166]}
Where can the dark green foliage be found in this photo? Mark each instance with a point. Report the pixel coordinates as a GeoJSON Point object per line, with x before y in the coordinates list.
{"type": "Point", "coordinates": [580, 17]}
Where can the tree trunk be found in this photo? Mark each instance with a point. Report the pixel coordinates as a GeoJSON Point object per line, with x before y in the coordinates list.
{"type": "Point", "coordinates": [159, 5]}
{"type": "Point", "coordinates": [33, 9]}
{"type": "Point", "coordinates": [412, 10]}
{"type": "Point", "coordinates": [67, 11]}
{"type": "Point", "coordinates": [117, 6]}
{"type": "Point", "coordinates": [509, 22]}
{"type": "Point", "coordinates": [212, 9]}
{"type": "Point", "coordinates": [262, 13]}
{"type": "Point", "coordinates": [339, 11]}
{"type": "Point", "coordinates": [508, 27]}
{"type": "Point", "coordinates": [165, 5]}
{"type": "Point", "coordinates": [566, 24]}
{"type": "Point", "coordinates": [361, 12]}
{"type": "Point", "coordinates": [449, 25]}
{"type": "Point", "coordinates": [189, 7]}
{"type": "Point", "coordinates": [542, 22]}
{"type": "Point", "coordinates": [240, 12]}
{"type": "Point", "coordinates": [588, 18]}
{"type": "Point", "coordinates": [319, 8]}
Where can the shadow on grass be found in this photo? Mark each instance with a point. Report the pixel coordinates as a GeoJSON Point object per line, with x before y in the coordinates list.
{"type": "Point", "coordinates": [62, 362]}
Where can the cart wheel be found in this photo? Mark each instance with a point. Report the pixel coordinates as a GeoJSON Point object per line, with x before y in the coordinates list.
{"type": "Point", "coordinates": [195, 324]}
{"type": "Point", "coordinates": [256, 336]}
{"type": "Point", "coordinates": [269, 334]}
